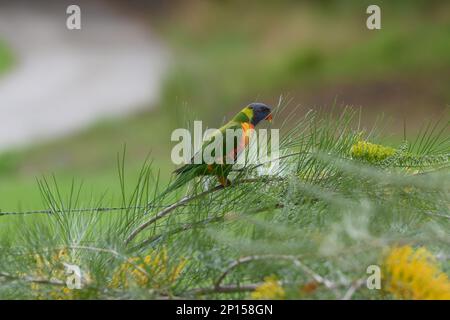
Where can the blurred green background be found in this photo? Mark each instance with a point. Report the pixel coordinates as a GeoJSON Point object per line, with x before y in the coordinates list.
{"type": "Point", "coordinates": [224, 54]}
{"type": "Point", "coordinates": [6, 58]}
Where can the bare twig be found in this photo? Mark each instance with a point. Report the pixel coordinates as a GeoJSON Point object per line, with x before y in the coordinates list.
{"type": "Point", "coordinates": [184, 227]}
{"type": "Point", "coordinates": [440, 215]}
{"type": "Point", "coordinates": [224, 289]}
{"type": "Point", "coordinates": [188, 226]}
{"type": "Point", "coordinates": [318, 278]}
{"type": "Point", "coordinates": [167, 210]}
{"type": "Point", "coordinates": [186, 200]}
{"type": "Point", "coordinates": [75, 247]}
{"type": "Point", "coordinates": [28, 278]}
{"type": "Point", "coordinates": [353, 288]}
{"type": "Point", "coordinates": [113, 252]}
{"type": "Point", "coordinates": [432, 171]}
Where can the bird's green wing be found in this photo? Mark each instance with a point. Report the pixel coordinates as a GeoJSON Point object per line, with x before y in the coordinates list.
{"type": "Point", "coordinates": [192, 170]}
{"type": "Point", "coordinates": [221, 132]}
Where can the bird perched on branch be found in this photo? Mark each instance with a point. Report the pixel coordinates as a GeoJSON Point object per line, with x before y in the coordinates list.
{"type": "Point", "coordinates": [242, 124]}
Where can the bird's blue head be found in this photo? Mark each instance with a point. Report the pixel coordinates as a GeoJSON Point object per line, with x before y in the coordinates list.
{"type": "Point", "coordinates": [259, 112]}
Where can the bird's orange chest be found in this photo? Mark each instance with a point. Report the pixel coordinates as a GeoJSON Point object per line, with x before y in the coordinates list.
{"type": "Point", "coordinates": [247, 129]}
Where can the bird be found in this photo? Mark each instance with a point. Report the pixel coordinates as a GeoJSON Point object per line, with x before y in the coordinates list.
{"type": "Point", "coordinates": [244, 122]}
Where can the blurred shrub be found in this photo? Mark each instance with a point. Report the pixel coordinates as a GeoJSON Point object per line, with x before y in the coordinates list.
{"type": "Point", "coordinates": [305, 60]}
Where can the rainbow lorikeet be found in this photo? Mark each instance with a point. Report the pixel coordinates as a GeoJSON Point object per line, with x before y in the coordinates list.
{"type": "Point", "coordinates": [242, 122]}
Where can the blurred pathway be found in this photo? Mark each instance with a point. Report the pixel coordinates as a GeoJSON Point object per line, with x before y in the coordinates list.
{"type": "Point", "coordinates": [67, 79]}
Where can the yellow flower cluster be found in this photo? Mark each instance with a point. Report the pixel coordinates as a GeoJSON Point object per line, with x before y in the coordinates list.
{"type": "Point", "coordinates": [154, 270]}
{"type": "Point", "coordinates": [414, 274]}
{"type": "Point", "coordinates": [270, 289]}
{"type": "Point", "coordinates": [56, 293]}
{"type": "Point", "coordinates": [51, 264]}
{"type": "Point", "coordinates": [52, 268]}
{"type": "Point", "coordinates": [370, 152]}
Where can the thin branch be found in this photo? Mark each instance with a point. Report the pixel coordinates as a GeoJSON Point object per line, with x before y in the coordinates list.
{"type": "Point", "coordinates": [74, 247]}
{"type": "Point", "coordinates": [113, 252]}
{"type": "Point", "coordinates": [167, 210]}
{"type": "Point", "coordinates": [353, 288]}
{"type": "Point", "coordinates": [232, 288]}
{"type": "Point", "coordinates": [318, 278]}
{"type": "Point", "coordinates": [185, 200]}
{"type": "Point", "coordinates": [184, 227]}
{"type": "Point", "coordinates": [28, 278]}
{"type": "Point", "coordinates": [190, 226]}
{"type": "Point", "coordinates": [440, 215]}
{"type": "Point", "coordinates": [445, 167]}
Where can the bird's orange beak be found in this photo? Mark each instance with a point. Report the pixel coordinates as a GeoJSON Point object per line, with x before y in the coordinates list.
{"type": "Point", "coordinates": [269, 118]}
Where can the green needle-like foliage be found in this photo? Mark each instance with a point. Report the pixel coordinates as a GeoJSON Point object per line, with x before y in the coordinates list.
{"type": "Point", "coordinates": [339, 200]}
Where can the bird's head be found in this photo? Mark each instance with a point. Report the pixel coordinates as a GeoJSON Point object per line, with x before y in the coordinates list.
{"type": "Point", "coordinates": [257, 112]}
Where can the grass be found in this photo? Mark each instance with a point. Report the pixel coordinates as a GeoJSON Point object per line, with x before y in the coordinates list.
{"type": "Point", "coordinates": [89, 158]}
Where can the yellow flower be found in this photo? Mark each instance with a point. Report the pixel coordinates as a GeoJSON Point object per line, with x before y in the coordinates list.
{"type": "Point", "coordinates": [176, 271]}
{"type": "Point", "coordinates": [415, 274]}
{"type": "Point", "coordinates": [270, 289]}
{"type": "Point", "coordinates": [66, 290]}
{"type": "Point", "coordinates": [371, 152]}
{"type": "Point", "coordinates": [64, 293]}
{"type": "Point", "coordinates": [61, 255]}
{"type": "Point", "coordinates": [154, 270]}
{"type": "Point", "coordinates": [51, 266]}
